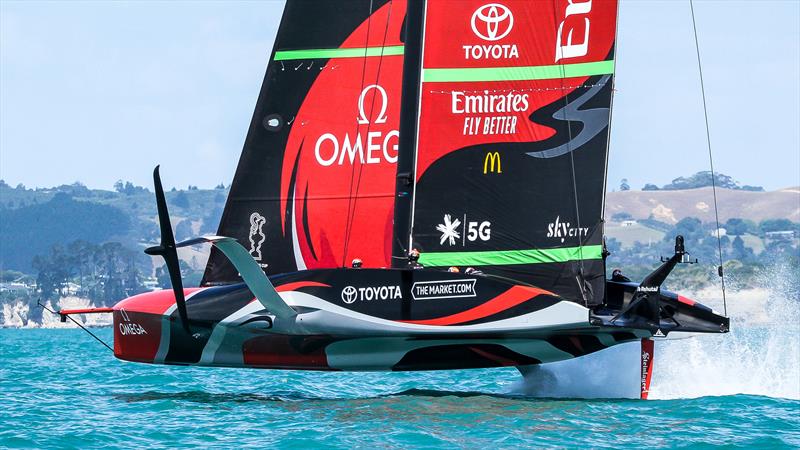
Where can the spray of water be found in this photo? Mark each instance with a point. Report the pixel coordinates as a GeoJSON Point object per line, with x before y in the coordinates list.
{"type": "Point", "coordinates": [760, 356]}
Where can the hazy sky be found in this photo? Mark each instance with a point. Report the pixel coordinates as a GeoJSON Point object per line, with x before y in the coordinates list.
{"type": "Point", "coordinates": [100, 91]}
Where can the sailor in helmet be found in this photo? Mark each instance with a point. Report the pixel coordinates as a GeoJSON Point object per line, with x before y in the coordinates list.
{"type": "Point", "coordinates": [413, 259]}
{"type": "Point", "coordinates": [357, 263]}
{"type": "Point", "coordinates": [616, 275]}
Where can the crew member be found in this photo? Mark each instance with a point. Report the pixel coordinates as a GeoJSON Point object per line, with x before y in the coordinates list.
{"type": "Point", "coordinates": [453, 269]}
{"type": "Point", "coordinates": [357, 263]}
{"type": "Point", "coordinates": [413, 259]}
{"type": "Point", "coordinates": [616, 275]}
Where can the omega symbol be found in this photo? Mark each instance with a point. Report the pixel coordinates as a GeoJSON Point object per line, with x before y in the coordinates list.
{"type": "Point", "coordinates": [362, 116]}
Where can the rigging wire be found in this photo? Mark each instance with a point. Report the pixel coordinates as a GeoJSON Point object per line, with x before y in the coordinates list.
{"type": "Point", "coordinates": [351, 216]}
{"type": "Point", "coordinates": [38, 302]}
{"type": "Point", "coordinates": [572, 167]}
{"type": "Point", "coordinates": [720, 272]}
{"type": "Point", "coordinates": [350, 205]}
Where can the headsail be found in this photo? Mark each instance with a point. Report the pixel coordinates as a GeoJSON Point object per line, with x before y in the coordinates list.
{"type": "Point", "coordinates": [512, 140]}
{"type": "Point", "coordinates": [315, 183]}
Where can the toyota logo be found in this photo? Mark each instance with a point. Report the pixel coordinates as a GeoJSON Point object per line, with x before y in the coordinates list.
{"type": "Point", "coordinates": [349, 294]}
{"type": "Point", "coordinates": [492, 22]}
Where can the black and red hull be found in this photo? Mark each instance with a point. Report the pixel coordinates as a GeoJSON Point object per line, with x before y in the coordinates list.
{"type": "Point", "coordinates": [370, 319]}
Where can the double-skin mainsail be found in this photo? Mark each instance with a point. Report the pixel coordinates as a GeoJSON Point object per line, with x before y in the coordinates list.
{"type": "Point", "coordinates": [473, 131]}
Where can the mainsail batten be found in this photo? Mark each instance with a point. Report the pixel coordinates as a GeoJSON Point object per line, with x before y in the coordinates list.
{"type": "Point", "coordinates": [524, 73]}
{"type": "Point", "coordinates": [327, 53]}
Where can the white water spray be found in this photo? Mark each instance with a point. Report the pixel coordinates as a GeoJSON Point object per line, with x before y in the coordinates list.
{"type": "Point", "coordinates": [760, 356]}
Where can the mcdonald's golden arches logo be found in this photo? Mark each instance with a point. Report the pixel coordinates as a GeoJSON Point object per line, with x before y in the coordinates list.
{"type": "Point", "coordinates": [492, 159]}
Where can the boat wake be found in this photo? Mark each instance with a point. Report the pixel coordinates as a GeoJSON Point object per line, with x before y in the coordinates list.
{"type": "Point", "coordinates": [758, 357]}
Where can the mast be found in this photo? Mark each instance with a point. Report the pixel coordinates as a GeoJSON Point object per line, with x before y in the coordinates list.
{"type": "Point", "coordinates": [409, 113]}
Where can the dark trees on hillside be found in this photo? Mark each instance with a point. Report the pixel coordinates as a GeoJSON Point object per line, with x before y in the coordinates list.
{"type": "Point", "coordinates": [704, 179]}
{"type": "Point", "coordinates": [738, 227]}
{"type": "Point", "coordinates": [776, 225]}
{"type": "Point", "coordinates": [34, 229]}
{"type": "Point", "coordinates": [184, 230]}
{"type": "Point", "coordinates": [128, 188]}
{"type": "Point", "coordinates": [181, 200]}
{"type": "Point", "coordinates": [104, 273]}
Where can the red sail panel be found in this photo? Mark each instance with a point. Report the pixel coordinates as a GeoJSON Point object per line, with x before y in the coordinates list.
{"type": "Point", "coordinates": [315, 180]}
{"type": "Point", "coordinates": [513, 127]}
{"type": "Point", "coordinates": [511, 34]}
{"type": "Point", "coordinates": [337, 181]}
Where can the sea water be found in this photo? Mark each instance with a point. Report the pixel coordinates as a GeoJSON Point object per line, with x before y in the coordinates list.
{"type": "Point", "coordinates": [60, 388]}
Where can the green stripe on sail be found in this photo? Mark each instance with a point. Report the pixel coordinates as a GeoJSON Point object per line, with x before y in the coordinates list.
{"type": "Point", "coordinates": [518, 73]}
{"type": "Point", "coordinates": [328, 53]}
{"type": "Point", "coordinates": [511, 257]}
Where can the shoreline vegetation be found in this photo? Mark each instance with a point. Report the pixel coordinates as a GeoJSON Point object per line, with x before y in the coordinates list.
{"type": "Point", "coordinates": [52, 253]}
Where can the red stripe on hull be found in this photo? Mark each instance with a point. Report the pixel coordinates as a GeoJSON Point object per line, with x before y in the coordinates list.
{"type": "Point", "coordinates": [298, 285]}
{"type": "Point", "coordinates": [156, 302]}
{"type": "Point", "coordinates": [66, 312]}
{"type": "Point", "coordinates": [285, 352]}
{"type": "Point", "coordinates": [647, 366]}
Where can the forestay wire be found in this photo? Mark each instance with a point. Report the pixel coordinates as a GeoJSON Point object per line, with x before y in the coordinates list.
{"type": "Point", "coordinates": [39, 303]}
{"type": "Point", "coordinates": [720, 272]}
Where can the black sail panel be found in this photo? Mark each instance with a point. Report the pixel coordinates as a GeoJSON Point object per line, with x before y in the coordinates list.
{"type": "Point", "coordinates": [512, 145]}
{"type": "Point", "coordinates": [314, 187]}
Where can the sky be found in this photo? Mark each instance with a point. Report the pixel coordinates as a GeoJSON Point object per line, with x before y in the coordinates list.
{"type": "Point", "coordinates": [101, 91]}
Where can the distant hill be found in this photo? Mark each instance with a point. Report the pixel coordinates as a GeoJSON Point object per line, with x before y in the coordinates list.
{"type": "Point", "coordinates": [671, 206]}
{"type": "Point", "coordinates": [32, 220]}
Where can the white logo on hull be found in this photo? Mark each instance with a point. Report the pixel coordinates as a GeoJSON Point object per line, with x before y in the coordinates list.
{"type": "Point", "coordinates": [126, 327]}
{"type": "Point", "coordinates": [429, 290]}
{"type": "Point", "coordinates": [368, 293]}
{"type": "Point", "coordinates": [647, 289]}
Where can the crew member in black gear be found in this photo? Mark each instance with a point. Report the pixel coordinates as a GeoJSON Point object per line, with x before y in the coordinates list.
{"type": "Point", "coordinates": [617, 275]}
{"type": "Point", "coordinates": [357, 263]}
{"type": "Point", "coordinates": [413, 259]}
